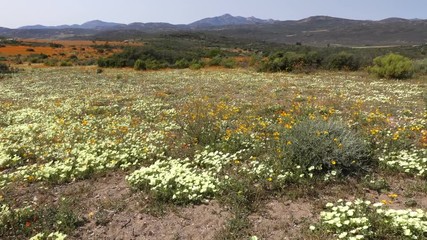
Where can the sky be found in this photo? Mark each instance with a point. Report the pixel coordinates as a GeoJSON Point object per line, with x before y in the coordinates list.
{"type": "Point", "coordinates": [17, 13]}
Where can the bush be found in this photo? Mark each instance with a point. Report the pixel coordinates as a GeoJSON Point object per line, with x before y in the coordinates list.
{"type": "Point", "coordinates": [182, 63]}
{"type": "Point", "coordinates": [328, 146]}
{"type": "Point", "coordinates": [139, 65]}
{"type": "Point", "coordinates": [343, 61]}
{"type": "Point", "coordinates": [228, 63]}
{"type": "Point", "coordinates": [215, 61]}
{"type": "Point", "coordinates": [392, 66]}
{"type": "Point", "coordinates": [4, 68]}
{"type": "Point", "coordinates": [420, 66]}
{"type": "Point", "coordinates": [195, 65]}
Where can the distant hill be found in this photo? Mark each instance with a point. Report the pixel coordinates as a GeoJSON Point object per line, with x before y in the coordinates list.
{"type": "Point", "coordinates": [315, 30]}
{"type": "Point", "coordinates": [95, 24]}
{"type": "Point", "coordinates": [227, 20]}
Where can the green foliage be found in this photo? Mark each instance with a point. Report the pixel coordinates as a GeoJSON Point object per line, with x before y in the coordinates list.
{"type": "Point", "coordinates": [343, 61]}
{"type": "Point", "coordinates": [195, 65]}
{"type": "Point", "coordinates": [392, 66]}
{"type": "Point", "coordinates": [155, 56]}
{"type": "Point", "coordinates": [4, 68]}
{"type": "Point", "coordinates": [420, 66]}
{"type": "Point", "coordinates": [139, 65]}
{"type": "Point", "coordinates": [37, 58]}
{"type": "Point", "coordinates": [24, 222]}
{"type": "Point", "coordinates": [291, 62]}
{"type": "Point", "coordinates": [215, 61]}
{"type": "Point", "coordinates": [329, 146]}
{"type": "Point", "coordinates": [228, 63]}
{"type": "Point", "coordinates": [65, 64]}
{"type": "Point", "coordinates": [182, 63]}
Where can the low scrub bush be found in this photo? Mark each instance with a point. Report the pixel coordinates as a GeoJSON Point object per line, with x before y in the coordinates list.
{"type": "Point", "coordinates": [4, 68]}
{"type": "Point", "coordinates": [420, 66]}
{"type": "Point", "coordinates": [329, 146]}
{"type": "Point", "coordinates": [343, 61]}
{"type": "Point", "coordinates": [139, 65]}
{"type": "Point", "coordinates": [392, 66]}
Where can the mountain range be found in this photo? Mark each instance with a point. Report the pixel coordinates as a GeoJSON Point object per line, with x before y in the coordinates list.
{"type": "Point", "coordinates": [224, 20]}
{"type": "Point", "coordinates": [316, 30]}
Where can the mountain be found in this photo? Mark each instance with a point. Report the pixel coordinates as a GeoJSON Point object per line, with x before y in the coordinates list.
{"type": "Point", "coordinates": [95, 24]}
{"type": "Point", "coordinates": [224, 20]}
{"type": "Point", "coordinates": [315, 30]}
{"type": "Point", "coordinates": [227, 20]}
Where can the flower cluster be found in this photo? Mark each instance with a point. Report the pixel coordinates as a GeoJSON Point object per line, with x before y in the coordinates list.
{"type": "Point", "coordinates": [361, 219]}
{"type": "Point", "coordinates": [42, 146]}
{"type": "Point", "coordinates": [182, 180]}
{"type": "Point", "coordinates": [50, 236]}
{"type": "Point", "coordinates": [409, 161]}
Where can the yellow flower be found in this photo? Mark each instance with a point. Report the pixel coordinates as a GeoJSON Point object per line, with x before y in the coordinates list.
{"type": "Point", "coordinates": [269, 179]}
{"type": "Point", "coordinates": [333, 162]}
{"type": "Point", "coordinates": [392, 195]}
{"type": "Point", "coordinates": [236, 161]}
{"type": "Point", "coordinates": [396, 136]}
{"type": "Point", "coordinates": [374, 131]}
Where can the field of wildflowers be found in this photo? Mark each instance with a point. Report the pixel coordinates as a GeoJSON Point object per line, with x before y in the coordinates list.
{"type": "Point", "coordinates": [189, 137]}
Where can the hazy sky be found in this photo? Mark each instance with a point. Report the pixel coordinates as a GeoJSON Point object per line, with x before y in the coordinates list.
{"type": "Point", "coordinates": [15, 13]}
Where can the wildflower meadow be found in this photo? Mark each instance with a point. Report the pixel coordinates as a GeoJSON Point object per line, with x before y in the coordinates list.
{"type": "Point", "coordinates": [236, 137]}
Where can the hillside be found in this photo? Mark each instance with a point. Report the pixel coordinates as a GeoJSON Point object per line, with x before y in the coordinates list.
{"type": "Point", "coordinates": [316, 30]}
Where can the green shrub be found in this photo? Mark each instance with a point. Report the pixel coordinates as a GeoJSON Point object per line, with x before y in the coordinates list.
{"type": "Point", "coordinates": [420, 66]}
{"type": "Point", "coordinates": [182, 63]}
{"type": "Point", "coordinates": [343, 61]}
{"type": "Point", "coordinates": [4, 68]}
{"type": "Point", "coordinates": [195, 65]}
{"type": "Point", "coordinates": [139, 65]}
{"type": "Point", "coordinates": [330, 146]}
{"type": "Point", "coordinates": [392, 66]}
{"type": "Point", "coordinates": [215, 61]}
{"type": "Point", "coordinates": [65, 64]}
{"type": "Point", "coordinates": [228, 63]}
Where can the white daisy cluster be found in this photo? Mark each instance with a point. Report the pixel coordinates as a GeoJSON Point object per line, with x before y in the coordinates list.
{"type": "Point", "coordinates": [50, 236]}
{"type": "Point", "coordinates": [363, 220]}
{"type": "Point", "coordinates": [183, 180]}
{"type": "Point", "coordinates": [409, 161]}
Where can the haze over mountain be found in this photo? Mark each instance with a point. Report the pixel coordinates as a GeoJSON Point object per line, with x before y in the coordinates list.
{"type": "Point", "coordinates": [315, 30]}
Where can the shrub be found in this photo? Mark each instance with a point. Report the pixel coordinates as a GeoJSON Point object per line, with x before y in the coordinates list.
{"type": "Point", "coordinates": [139, 65]}
{"type": "Point", "coordinates": [65, 64]}
{"type": "Point", "coordinates": [215, 61]}
{"type": "Point", "coordinates": [330, 146]}
{"type": "Point", "coordinates": [4, 68]}
{"type": "Point", "coordinates": [228, 63]}
{"type": "Point", "coordinates": [182, 63]}
{"type": "Point", "coordinates": [195, 65]}
{"type": "Point", "coordinates": [343, 61]}
{"type": "Point", "coordinates": [392, 66]}
{"type": "Point", "coordinates": [420, 66]}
